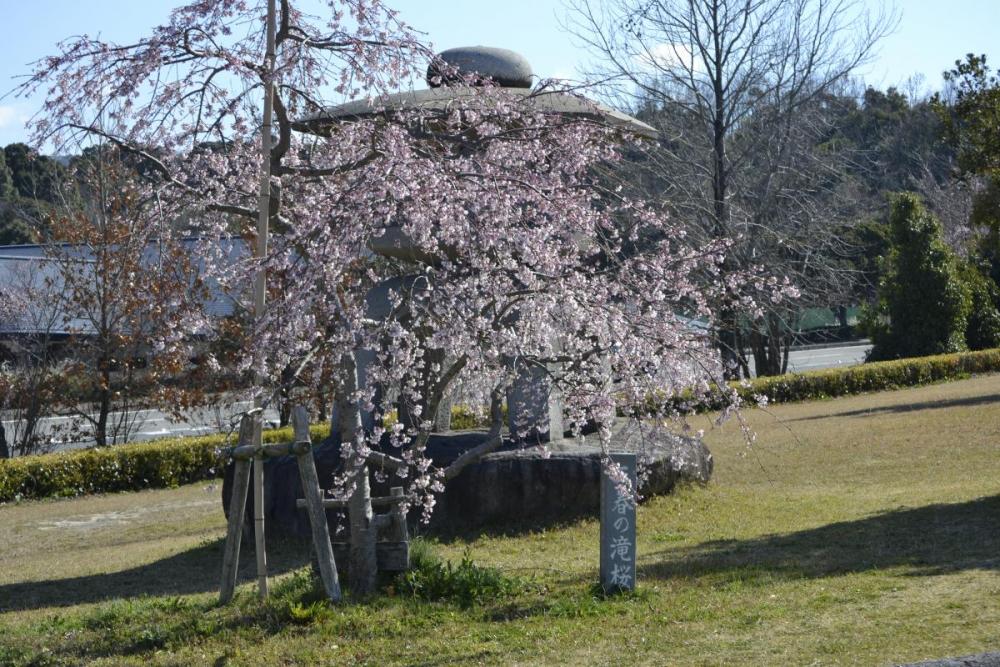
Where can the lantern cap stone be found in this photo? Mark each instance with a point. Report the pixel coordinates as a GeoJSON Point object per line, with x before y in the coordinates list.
{"type": "Point", "coordinates": [502, 67]}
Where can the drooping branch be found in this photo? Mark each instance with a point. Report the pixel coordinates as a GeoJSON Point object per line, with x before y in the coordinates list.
{"type": "Point", "coordinates": [493, 439]}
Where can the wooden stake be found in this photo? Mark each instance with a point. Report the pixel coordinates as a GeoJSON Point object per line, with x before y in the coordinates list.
{"type": "Point", "coordinates": [260, 283]}
{"type": "Point", "coordinates": [237, 509]}
{"type": "Point", "coordinates": [258, 525]}
{"type": "Point", "coordinates": [314, 505]}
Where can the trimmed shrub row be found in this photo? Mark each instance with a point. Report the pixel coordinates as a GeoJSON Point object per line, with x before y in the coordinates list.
{"type": "Point", "coordinates": [153, 465]}
{"type": "Point", "coordinates": [874, 376]}
{"type": "Point", "coordinates": [172, 462]}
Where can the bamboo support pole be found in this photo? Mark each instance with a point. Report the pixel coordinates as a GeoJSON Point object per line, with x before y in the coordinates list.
{"type": "Point", "coordinates": [258, 517]}
{"type": "Point", "coordinates": [237, 509]}
{"type": "Point", "coordinates": [260, 281]}
{"type": "Point", "coordinates": [313, 501]}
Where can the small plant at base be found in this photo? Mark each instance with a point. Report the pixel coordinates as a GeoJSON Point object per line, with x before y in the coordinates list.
{"type": "Point", "coordinates": [466, 584]}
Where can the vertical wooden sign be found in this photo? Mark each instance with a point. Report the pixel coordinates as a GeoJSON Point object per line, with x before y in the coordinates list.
{"type": "Point", "coordinates": [618, 527]}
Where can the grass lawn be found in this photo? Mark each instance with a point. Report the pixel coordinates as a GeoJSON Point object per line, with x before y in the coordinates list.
{"type": "Point", "coordinates": [862, 530]}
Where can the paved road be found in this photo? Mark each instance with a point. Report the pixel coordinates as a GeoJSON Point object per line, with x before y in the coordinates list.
{"type": "Point", "coordinates": [151, 424]}
{"type": "Point", "coordinates": [810, 359]}
{"type": "Point", "coordinates": [826, 357]}
{"type": "Point", "coordinates": [154, 424]}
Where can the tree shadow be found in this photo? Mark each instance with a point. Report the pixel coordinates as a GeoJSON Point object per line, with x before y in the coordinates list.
{"type": "Point", "coordinates": [471, 658]}
{"type": "Point", "coordinates": [929, 540]}
{"type": "Point", "coordinates": [970, 401]}
{"type": "Point", "coordinates": [459, 533]}
{"type": "Point", "coordinates": [196, 570]}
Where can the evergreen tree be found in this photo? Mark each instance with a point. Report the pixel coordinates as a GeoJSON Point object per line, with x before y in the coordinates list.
{"type": "Point", "coordinates": [12, 228]}
{"type": "Point", "coordinates": [971, 124]}
{"type": "Point", "coordinates": [923, 304]}
{"type": "Point", "coordinates": [983, 329]}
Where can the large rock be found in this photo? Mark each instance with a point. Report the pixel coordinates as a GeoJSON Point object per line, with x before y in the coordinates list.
{"type": "Point", "coordinates": [522, 487]}
{"type": "Point", "coordinates": [512, 487]}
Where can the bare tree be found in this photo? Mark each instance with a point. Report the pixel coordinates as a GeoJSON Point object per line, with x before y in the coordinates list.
{"type": "Point", "coordinates": [28, 379]}
{"type": "Point", "coordinates": [122, 280]}
{"type": "Point", "coordinates": [738, 89]}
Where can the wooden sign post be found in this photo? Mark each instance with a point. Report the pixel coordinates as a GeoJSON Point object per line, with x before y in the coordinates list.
{"type": "Point", "coordinates": [618, 527]}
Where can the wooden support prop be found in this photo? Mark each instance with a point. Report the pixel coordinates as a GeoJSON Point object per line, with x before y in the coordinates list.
{"type": "Point", "coordinates": [258, 515]}
{"type": "Point", "coordinates": [268, 451]}
{"type": "Point", "coordinates": [237, 508]}
{"type": "Point", "coordinates": [313, 502]}
{"type": "Point", "coordinates": [377, 501]}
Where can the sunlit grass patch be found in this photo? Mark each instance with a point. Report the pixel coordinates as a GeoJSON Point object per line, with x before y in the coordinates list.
{"type": "Point", "coordinates": [863, 530]}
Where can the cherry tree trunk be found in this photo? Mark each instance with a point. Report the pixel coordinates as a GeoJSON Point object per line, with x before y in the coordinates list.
{"type": "Point", "coordinates": [362, 568]}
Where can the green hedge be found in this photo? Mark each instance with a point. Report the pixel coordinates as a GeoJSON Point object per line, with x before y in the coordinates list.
{"type": "Point", "coordinates": [153, 465]}
{"type": "Point", "coordinates": [875, 376]}
{"type": "Point", "coordinates": [168, 463]}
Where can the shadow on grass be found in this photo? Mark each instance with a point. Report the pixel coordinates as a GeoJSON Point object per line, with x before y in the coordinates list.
{"type": "Point", "coordinates": [557, 519]}
{"type": "Point", "coordinates": [970, 401]}
{"type": "Point", "coordinates": [930, 540]}
{"type": "Point", "coordinates": [477, 658]}
{"type": "Point", "coordinates": [196, 570]}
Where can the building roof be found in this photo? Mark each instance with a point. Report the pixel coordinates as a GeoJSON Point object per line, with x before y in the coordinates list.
{"type": "Point", "coordinates": [27, 268]}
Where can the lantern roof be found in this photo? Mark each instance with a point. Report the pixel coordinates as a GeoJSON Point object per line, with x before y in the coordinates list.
{"type": "Point", "coordinates": [503, 68]}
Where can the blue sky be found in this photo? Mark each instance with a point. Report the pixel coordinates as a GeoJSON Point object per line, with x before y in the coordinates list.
{"type": "Point", "coordinates": [931, 35]}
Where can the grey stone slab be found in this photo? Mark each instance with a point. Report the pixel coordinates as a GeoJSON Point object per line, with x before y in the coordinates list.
{"type": "Point", "coordinates": [534, 406]}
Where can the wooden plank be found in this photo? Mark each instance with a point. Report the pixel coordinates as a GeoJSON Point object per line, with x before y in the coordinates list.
{"type": "Point", "coordinates": [333, 503]}
{"type": "Point", "coordinates": [272, 450]}
{"type": "Point", "coordinates": [313, 501]}
{"type": "Point", "coordinates": [237, 508]}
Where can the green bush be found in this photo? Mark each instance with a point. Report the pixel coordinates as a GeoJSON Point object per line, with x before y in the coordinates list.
{"type": "Point", "coordinates": [983, 329]}
{"type": "Point", "coordinates": [462, 417]}
{"type": "Point", "coordinates": [832, 382]}
{"type": "Point", "coordinates": [465, 584]}
{"type": "Point", "coordinates": [873, 376]}
{"type": "Point", "coordinates": [168, 463]}
{"type": "Point", "coordinates": [153, 465]}
{"type": "Point", "coordinates": [923, 304]}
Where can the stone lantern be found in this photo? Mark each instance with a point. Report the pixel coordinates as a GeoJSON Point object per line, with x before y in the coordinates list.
{"type": "Point", "coordinates": [513, 483]}
{"type": "Point", "coordinates": [529, 399]}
